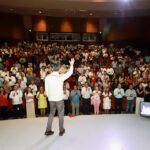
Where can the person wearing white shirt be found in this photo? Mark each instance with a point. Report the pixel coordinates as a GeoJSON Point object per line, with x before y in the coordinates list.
{"type": "Point", "coordinates": [110, 71]}
{"type": "Point", "coordinates": [105, 77]}
{"type": "Point", "coordinates": [54, 90]}
{"type": "Point", "coordinates": [33, 87]}
{"type": "Point", "coordinates": [5, 73]}
{"type": "Point", "coordinates": [30, 107]}
{"type": "Point", "coordinates": [86, 95]}
{"type": "Point", "coordinates": [10, 79]}
{"type": "Point", "coordinates": [14, 70]}
{"type": "Point", "coordinates": [16, 96]}
{"type": "Point", "coordinates": [42, 64]}
{"type": "Point", "coordinates": [43, 72]}
{"type": "Point", "coordinates": [66, 99]}
{"type": "Point", "coordinates": [19, 74]}
{"type": "Point", "coordinates": [130, 95]}
{"type": "Point", "coordinates": [82, 79]}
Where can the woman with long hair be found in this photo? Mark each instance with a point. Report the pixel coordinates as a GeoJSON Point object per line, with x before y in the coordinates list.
{"type": "Point", "coordinates": [42, 101]}
{"type": "Point", "coordinates": [107, 100]}
{"type": "Point", "coordinates": [30, 107]}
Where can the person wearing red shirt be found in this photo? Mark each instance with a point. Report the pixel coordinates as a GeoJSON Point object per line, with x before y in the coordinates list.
{"type": "Point", "coordinates": [94, 78]}
{"type": "Point", "coordinates": [3, 103]}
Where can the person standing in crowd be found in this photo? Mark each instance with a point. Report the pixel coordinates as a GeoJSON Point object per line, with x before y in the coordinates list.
{"type": "Point", "coordinates": [86, 95]}
{"type": "Point", "coordinates": [82, 79]}
{"type": "Point", "coordinates": [130, 95]}
{"type": "Point", "coordinates": [30, 107]}
{"type": "Point", "coordinates": [42, 101]}
{"type": "Point", "coordinates": [3, 103]}
{"type": "Point", "coordinates": [66, 99]}
{"type": "Point", "coordinates": [75, 95]}
{"type": "Point", "coordinates": [54, 90]}
{"type": "Point", "coordinates": [16, 96]}
{"type": "Point", "coordinates": [33, 87]}
{"type": "Point", "coordinates": [95, 100]}
{"type": "Point", "coordinates": [118, 93]}
{"type": "Point", "coordinates": [107, 100]}
{"type": "Point", "coordinates": [140, 98]}
{"type": "Point", "coordinates": [147, 93]}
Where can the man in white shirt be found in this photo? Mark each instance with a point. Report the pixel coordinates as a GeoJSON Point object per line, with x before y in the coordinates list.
{"type": "Point", "coordinates": [86, 95]}
{"type": "Point", "coordinates": [54, 90]}
{"type": "Point", "coordinates": [10, 79]}
{"type": "Point", "coordinates": [16, 96]}
{"type": "Point", "coordinates": [5, 73]}
{"type": "Point", "coordinates": [82, 79]}
{"type": "Point", "coordinates": [14, 70]}
{"type": "Point", "coordinates": [33, 87]}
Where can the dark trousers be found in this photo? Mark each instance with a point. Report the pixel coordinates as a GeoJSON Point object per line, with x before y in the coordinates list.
{"type": "Point", "coordinates": [4, 112]}
{"type": "Point", "coordinates": [86, 106]}
{"type": "Point", "coordinates": [18, 111]}
{"type": "Point", "coordinates": [118, 105]}
{"type": "Point", "coordinates": [66, 102]}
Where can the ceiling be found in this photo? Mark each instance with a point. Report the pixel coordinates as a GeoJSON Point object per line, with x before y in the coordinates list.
{"type": "Point", "coordinates": [77, 8]}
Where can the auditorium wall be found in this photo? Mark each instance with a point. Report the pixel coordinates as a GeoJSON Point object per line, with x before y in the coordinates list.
{"type": "Point", "coordinates": [117, 29]}
{"type": "Point", "coordinates": [55, 24]}
{"type": "Point", "coordinates": [128, 29]}
{"type": "Point", "coordinates": [11, 26]}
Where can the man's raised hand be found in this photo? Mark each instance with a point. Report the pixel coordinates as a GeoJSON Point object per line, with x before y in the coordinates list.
{"type": "Point", "coordinates": [72, 61]}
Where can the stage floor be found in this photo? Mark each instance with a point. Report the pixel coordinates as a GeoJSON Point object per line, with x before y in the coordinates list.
{"type": "Point", "coordinates": [101, 132]}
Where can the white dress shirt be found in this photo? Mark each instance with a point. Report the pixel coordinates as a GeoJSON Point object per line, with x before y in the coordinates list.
{"type": "Point", "coordinates": [82, 79]}
{"type": "Point", "coordinates": [86, 93]}
{"type": "Point", "coordinates": [16, 97]}
{"type": "Point", "coordinates": [28, 97]}
{"type": "Point", "coordinates": [11, 80]}
{"type": "Point", "coordinates": [33, 88]}
{"type": "Point", "coordinates": [66, 96]}
{"type": "Point", "coordinates": [14, 70]}
{"type": "Point", "coordinates": [54, 84]}
{"type": "Point", "coordinates": [43, 74]}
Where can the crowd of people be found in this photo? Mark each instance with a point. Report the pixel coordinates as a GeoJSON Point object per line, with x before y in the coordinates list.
{"type": "Point", "coordinates": [101, 73]}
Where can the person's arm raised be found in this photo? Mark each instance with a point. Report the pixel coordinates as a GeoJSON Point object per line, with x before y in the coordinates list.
{"type": "Point", "coordinates": [70, 72]}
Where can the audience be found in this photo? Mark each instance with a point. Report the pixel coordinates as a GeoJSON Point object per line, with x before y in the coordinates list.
{"type": "Point", "coordinates": [102, 74]}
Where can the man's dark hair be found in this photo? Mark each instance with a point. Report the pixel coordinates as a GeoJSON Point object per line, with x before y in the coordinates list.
{"type": "Point", "coordinates": [56, 67]}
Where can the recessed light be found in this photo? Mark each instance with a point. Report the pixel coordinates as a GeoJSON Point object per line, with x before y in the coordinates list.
{"type": "Point", "coordinates": [82, 10]}
{"type": "Point", "coordinates": [40, 12]}
{"type": "Point", "coordinates": [91, 14]}
{"type": "Point", "coordinates": [11, 9]}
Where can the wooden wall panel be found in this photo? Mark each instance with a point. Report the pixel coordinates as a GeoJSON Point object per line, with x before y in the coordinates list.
{"type": "Point", "coordinates": [11, 26]}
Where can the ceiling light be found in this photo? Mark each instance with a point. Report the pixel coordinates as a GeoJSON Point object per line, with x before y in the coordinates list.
{"type": "Point", "coordinates": [91, 14]}
{"type": "Point", "coordinates": [11, 9]}
{"type": "Point", "coordinates": [40, 12]}
{"type": "Point", "coordinates": [82, 10]}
